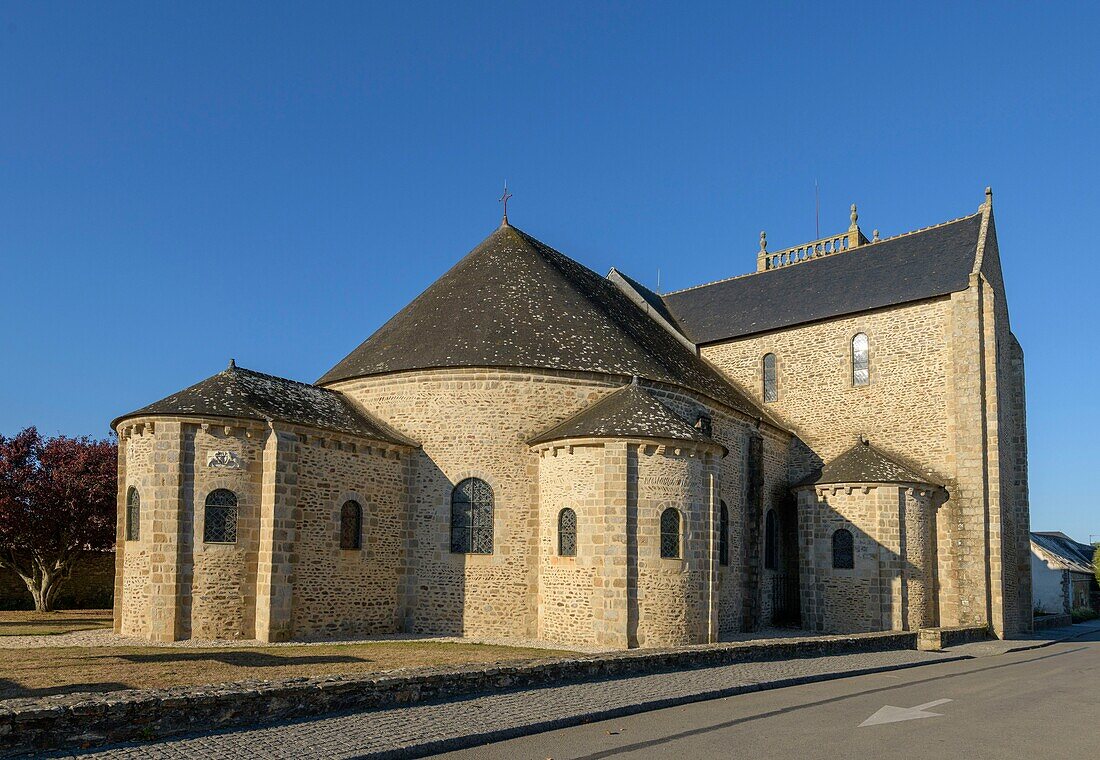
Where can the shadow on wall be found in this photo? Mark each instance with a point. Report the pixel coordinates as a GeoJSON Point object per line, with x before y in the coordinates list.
{"type": "Point", "coordinates": [435, 596]}
{"type": "Point", "coordinates": [882, 591]}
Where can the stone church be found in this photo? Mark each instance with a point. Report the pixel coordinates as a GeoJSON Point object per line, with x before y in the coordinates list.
{"type": "Point", "coordinates": [528, 450]}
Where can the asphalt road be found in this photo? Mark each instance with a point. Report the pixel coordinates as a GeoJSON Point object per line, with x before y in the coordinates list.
{"type": "Point", "coordinates": [1043, 703]}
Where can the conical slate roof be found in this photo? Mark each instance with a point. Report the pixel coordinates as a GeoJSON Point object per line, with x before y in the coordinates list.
{"type": "Point", "coordinates": [515, 302]}
{"type": "Point", "coordinates": [245, 394]}
{"type": "Point", "coordinates": [863, 463]}
{"type": "Point", "coordinates": [630, 412]}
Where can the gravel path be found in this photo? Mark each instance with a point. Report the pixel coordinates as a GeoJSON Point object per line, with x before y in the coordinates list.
{"type": "Point", "coordinates": [445, 725]}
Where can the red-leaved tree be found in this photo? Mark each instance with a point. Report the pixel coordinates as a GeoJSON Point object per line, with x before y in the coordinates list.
{"type": "Point", "coordinates": [57, 502]}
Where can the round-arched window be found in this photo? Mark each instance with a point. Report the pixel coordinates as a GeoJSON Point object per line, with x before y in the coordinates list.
{"type": "Point", "coordinates": [670, 533]}
{"type": "Point", "coordinates": [472, 517]}
{"type": "Point", "coordinates": [567, 533]}
{"type": "Point", "coordinates": [861, 360]}
{"type": "Point", "coordinates": [843, 550]}
{"type": "Point", "coordinates": [219, 525]}
{"type": "Point", "coordinates": [351, 525]}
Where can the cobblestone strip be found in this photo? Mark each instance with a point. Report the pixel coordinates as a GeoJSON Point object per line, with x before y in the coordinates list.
{"type": "Point", "coordinates": [428, 728]}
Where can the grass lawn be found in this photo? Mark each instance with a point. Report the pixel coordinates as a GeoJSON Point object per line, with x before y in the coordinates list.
{"type": "Point", "coordinates": [60, 670]}
{"type": "Point", "coordinates": [45, 623]}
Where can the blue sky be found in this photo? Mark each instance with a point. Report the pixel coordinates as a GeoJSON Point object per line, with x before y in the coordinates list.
{"type": "Point", "coordinates": [183, 183]}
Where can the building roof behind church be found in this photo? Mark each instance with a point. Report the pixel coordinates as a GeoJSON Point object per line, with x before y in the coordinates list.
{"type": "Point", "coordinates": [863, 463]}
{"type": "Point", "coordinates": [246, 394]}
{"type": "Point", "coordinates": [630, 412]}
{"type": "Point", "coordinates": [1060, 550]}
{"type": "Point", "coordinates": [515, 302]}
{"type": "Point", "coordinates": [932, 262]}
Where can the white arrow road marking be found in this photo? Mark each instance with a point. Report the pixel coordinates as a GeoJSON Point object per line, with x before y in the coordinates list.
{"type": "Point", "coordinates": [891, 714]}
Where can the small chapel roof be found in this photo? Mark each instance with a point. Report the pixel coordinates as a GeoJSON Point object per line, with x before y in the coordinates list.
{"type": "Point", "coordinates": [630, 412]}
{"type": "Point", "coordinates": [863, 463]}
{"type": "Point", "coordinates": [923, 264]}
{"type": "Point", "coordinates": [515, 302]}
{"type": "Point", "coordinates": [246, 394]}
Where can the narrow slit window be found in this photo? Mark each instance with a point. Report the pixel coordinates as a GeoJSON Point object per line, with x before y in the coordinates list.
{"type": "Point", "coordinates": [670, 534]}
{"type": "Point", "coordinates": [351, 525]}
{"type": "Point", "coordinates": [567, 533]}
{"type": "Point", "coordinates": [133, 515]}
{"type": "Point", "coordinates": [771, 382]}
{"type": "Point", "coordinates": [861, 360]}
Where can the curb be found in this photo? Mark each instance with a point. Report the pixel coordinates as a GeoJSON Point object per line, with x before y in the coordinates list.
{"type": "Point", "coordinates": [513, 732]}
{"type": "Point", "coordinates": [1044, 644]}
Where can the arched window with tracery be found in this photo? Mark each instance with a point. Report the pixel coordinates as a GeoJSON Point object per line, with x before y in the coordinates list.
{"type": "Point", "coordinates": [472, 517]}
{"type": "Point", "coordinates": [219, 524]}
{"type": "Point", "coordinates": [843, 550]}
{"type": "Point", "coordinates": [133, 515]}
{"type": "Point", "coordinates": [861, 360]}
{"type": "Point", "coordinates": [771, 380]}
{"type": "Point", "coordinates": [723, 534]}
{"type": "Point", "coordinates": [351, 525]}
{"type": "Point", "coordinates": [771, 541]}
{"type": "Point", "coordinates": [567, 533]}
{"type": "Point", "coordinates": [670, 533]}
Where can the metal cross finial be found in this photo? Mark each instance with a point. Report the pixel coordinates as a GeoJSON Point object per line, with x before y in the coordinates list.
{"type": "Point", "coordinates": [504, 199]}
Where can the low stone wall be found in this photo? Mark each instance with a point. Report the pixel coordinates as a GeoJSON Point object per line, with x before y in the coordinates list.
{"type": "Point", "coordinates": [91, 586]}
{"type": "Point", "coordinates": [1052, 621]}
{"type": "Point", "coordinates": [86, 720]}
{"type": "Point", "coordinates": [935, 639]}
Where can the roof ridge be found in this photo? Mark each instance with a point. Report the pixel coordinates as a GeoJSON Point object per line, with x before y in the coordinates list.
{"type": "Point", "coordinates": [823, 258]}
{"type": "Point", "coordinates": [238, 368]}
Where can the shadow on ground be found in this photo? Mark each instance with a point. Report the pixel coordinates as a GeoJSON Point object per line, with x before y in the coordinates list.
{"type": "Point", "coordinates": [243, 659]}
{"type": "Point", "coordinates": [12, 690]}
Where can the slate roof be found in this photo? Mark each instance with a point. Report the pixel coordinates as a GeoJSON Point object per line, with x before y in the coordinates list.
{"type": "Point", "coordinates": [630, 412]}
{"type": "Point", "coordinates": [515, 302]}
{"type": "Point", "coordinates": [1062, 551]}
{"type": "Point", "coordinates": [243, 393]}
{"type": "Point", "coordinates": [863, 463]}
{"type": "Point", "coordinates": [911, 267]}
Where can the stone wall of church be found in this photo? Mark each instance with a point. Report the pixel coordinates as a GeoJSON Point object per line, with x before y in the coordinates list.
{"type": "Point", "coordinates": [132, 587]}
{"type": "Point", "coordinates": [570, 588]}
{"type": "Point", "coordinates": [672, 595]}
{"type": "Point", "coordinates": [474, 423]}
{"type": "Point", "coordinates": [904, 408]}
{"type": "Point", "coordinates": [348, 591]}
{"type": "Point", "coordinates": [222, 598]}
{"type": "Point", "coordinates": [891, 585]}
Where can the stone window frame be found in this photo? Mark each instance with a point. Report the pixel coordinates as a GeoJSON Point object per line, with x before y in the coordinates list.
{"type": "Point", "coordinates": [771, 540]}
{"type": "Point", "coordinates": [236, 507]}
{"type": "Point", "coordinates": [681, 528]}
{"type": "Point", "coordinates": [764, 377]}
{"type": "Point", "coordinates": [723, 534]}
{"type": "Point", "coordinates": [839, 533]}
{"type": "Point", "coordinates": [567, 549]}
{"type": "Point", "coordinates": [357, 545]}
{"type": "Point", "coordinates": [852, 359]}
{"type": "Point", "coordinates": [133, 514]}
{"type": "Point", "coordinates": [492, 516]}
